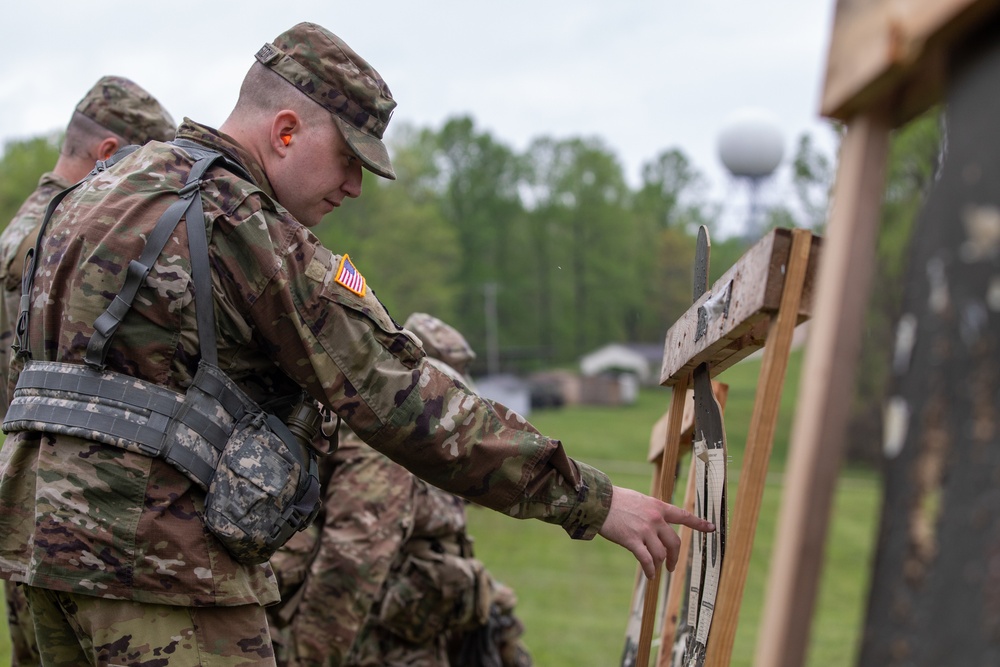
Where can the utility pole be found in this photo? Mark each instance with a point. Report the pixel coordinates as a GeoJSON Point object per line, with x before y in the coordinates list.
{"type": "Point", "coordinates": [492, 346]}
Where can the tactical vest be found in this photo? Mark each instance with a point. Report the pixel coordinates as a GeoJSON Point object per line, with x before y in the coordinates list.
{"type": "Point", "coordinates": [260, 479]}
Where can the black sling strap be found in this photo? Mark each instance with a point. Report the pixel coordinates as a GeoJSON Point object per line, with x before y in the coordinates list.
{"type": "Point", "coordinates": [108, 322]}
{"type": "Point", "coordinates": [20, 345]}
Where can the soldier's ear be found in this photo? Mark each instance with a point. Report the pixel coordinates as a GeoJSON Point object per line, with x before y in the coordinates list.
{"type": "Point", "coordinates": [108, 147]}
{"type": "Point", "coordinates": [284, 126]}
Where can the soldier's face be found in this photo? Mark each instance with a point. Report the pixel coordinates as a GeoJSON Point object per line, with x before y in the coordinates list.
{"type": "Point", "coordinates": [318, 172]}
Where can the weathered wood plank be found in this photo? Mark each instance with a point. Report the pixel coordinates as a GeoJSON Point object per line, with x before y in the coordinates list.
{"type": "Point", "coordinates": [664, 491]}
{"type": "Point", "coordinates": [935, 585]}
{"type": "Point", "coordinates": [760, 438]}
{"type": "Point", "coordinates": [894, 48]}
{"type": "Point", "coordinates": [752, 287]}
{"type": "Point", "coordinates": [827, 379]}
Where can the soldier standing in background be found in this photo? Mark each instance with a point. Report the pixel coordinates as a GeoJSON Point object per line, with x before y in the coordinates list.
{"type": "Point", "coordinates": [125, 553]}
{"type": "Point", "coordinates": [115, 112]}
{"type": "Point", "coordinates": [388, 566]}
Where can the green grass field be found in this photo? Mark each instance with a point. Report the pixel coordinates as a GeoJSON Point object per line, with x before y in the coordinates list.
{"type": "Point", "coordinates": [574, 596]}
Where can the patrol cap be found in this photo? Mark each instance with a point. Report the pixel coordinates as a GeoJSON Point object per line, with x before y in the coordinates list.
{"type": "Point", "coordinates": [123, 107]}
{"type": "Point", "coordinates": [330, 73]}
{"type": "Point", "coordinates": [441, 341]}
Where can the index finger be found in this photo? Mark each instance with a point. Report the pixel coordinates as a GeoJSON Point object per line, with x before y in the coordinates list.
{"type": "Point", "coordinates": [674, 514]}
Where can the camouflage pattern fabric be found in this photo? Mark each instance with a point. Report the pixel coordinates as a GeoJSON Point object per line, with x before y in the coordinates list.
{"type": "Point", "coordinates": [377, 515]}
{"type": "Point", "coordinates": [330, 574]}
{"type": "Point", "coordinates": [84, 518]}
{"type": "Point", "coordinates": [16, 239]}
{"type": "Point", "coordinates": [439, 606]}
{"type": "Point", "coordinates": [441, 341]}
{"type": "Point", "coordinates": [86, 630]}
{"type": "Point", "coordinates": [122, 107]}
{"type": "Point", "coordinates": [436, 605]}
{"type": "Point", "coordinates": [328, 71]}
{"type": "Point", "coordinates": [125, 108]}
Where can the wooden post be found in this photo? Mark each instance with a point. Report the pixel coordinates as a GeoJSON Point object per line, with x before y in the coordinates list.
{"type": "Point", "coordinates": [665, 490]}
{"type": "Point", "coordinates": [757, 455]}
{"type": "Point", "coordinates": [676, 587]}
{"type": "Point", "coordinates": [827, 380]}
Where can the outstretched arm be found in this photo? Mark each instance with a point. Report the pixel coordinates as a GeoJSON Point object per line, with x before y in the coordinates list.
{"type": "Point", "coordinates": [641, 524]}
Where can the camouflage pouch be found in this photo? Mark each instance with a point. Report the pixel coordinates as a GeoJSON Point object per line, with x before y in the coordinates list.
{"type": "Point", "coordinates": [255, 502]}
{"type": "Point", "coordinates": [265, 485]}
{"type": "Point", "coordinates": [434, 591]}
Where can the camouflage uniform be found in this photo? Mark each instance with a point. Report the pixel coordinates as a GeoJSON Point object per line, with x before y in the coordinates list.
{"type": "Point", "coordinates": [120, 106]}
{"type": "Point", "coordinates": [391, 540]}
{"type": "Point", "coordinates": [91, 520]}
{"type": "Point", "coordinates": [123, 108]}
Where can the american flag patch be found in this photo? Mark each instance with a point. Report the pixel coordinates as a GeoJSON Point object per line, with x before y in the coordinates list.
{"type": "Point", "coordinates": [349, 277]}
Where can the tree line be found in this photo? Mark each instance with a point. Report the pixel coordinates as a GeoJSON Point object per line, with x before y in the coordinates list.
{"type": "Point", "coordinates": [554, 238]}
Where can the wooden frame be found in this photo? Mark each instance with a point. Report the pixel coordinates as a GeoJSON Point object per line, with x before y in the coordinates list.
{"type": "Point", "coordinates": [767, 293]}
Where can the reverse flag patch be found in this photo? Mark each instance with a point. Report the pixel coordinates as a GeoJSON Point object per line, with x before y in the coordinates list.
{"type": "Point", "coordinates": [349, 277]}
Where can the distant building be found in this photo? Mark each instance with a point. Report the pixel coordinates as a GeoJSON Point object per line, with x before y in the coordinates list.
{"type": "Point", "coordinates": [614, 373]}
{"type": "Point", "coordinates": [510, 390]}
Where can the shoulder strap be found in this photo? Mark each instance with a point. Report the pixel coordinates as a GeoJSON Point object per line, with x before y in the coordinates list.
{"type": "Point", "coordinates": [188, 206]}
{"type": "Point", "coordinates": [21, 346]}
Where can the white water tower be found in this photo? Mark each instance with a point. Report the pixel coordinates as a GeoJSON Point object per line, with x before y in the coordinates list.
{"type": "Point", "coordinates": [751, 146]}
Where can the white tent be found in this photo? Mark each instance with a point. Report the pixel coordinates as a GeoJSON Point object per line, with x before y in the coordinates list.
{"type": "Point", "coordinates": [616, 358]}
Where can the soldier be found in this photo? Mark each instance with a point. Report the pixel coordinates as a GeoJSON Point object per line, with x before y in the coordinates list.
{"type": "Point", "coordinates": [386, 537]}
{"type": "Point", "coordinates": [115, 112]}
{"type": "Point", "coordinates": [147, 473]}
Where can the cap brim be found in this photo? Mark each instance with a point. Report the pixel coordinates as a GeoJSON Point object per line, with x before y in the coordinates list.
{"type": "Point", "coordinates": [371, 150]}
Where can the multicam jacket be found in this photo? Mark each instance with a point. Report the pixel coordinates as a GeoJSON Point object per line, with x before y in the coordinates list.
{"type": "Point", "coordinates": [17, 237]}
{"type": "Point", "coordinates": [81, 517]}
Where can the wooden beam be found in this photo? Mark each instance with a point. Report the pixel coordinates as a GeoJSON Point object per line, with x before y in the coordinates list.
{"type": "Point", "coordinates": [664, 491]}
{"type": "Point", "coordinates": [677, 584]}
{"type": "Point", "coordinates": [760, 437]}
{"type": "Point", "coordinates": [752, 289]}
{"type": "Point", "coordinates": [894, 50]}
{"type": "Point", "coordinates": [827, 383]}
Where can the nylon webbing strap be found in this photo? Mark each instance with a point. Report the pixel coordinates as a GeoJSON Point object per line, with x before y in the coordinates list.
{"type": "Point", "coordinates": [112, 408]}
{"type": "Point", "coordinates": [204, 304]}
{"type": "Point", "coordinates": [108, 322]}
{"type": "Point", "coordinates": [21, 344]}
{"type": "Point", "coordinates": [64, 393]}
{"type": "Point", "coordinates": [149, 436]}
{"type": "Point", "coordinates": [137, 395]}
{"type": "Point", "coordinates": [215, 388]}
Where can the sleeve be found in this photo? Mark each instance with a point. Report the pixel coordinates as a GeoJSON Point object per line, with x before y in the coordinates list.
{"type": "Point", "coordinates": [330, 333]}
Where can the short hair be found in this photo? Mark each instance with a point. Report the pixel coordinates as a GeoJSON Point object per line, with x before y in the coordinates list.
{"type": "Point", "coordinates": [264, 92]}
{"type": "Point", "coordinates": [83, 134]}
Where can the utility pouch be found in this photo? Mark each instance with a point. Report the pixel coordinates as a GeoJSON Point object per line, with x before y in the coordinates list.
{"type": "Point", "coordinates": [265, 485]}
{"type": "Point", "coordinates": [261, 494]}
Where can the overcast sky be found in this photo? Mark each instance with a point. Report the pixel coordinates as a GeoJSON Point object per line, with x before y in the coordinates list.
{"type": "Point", "coordinates": [644, 76]}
